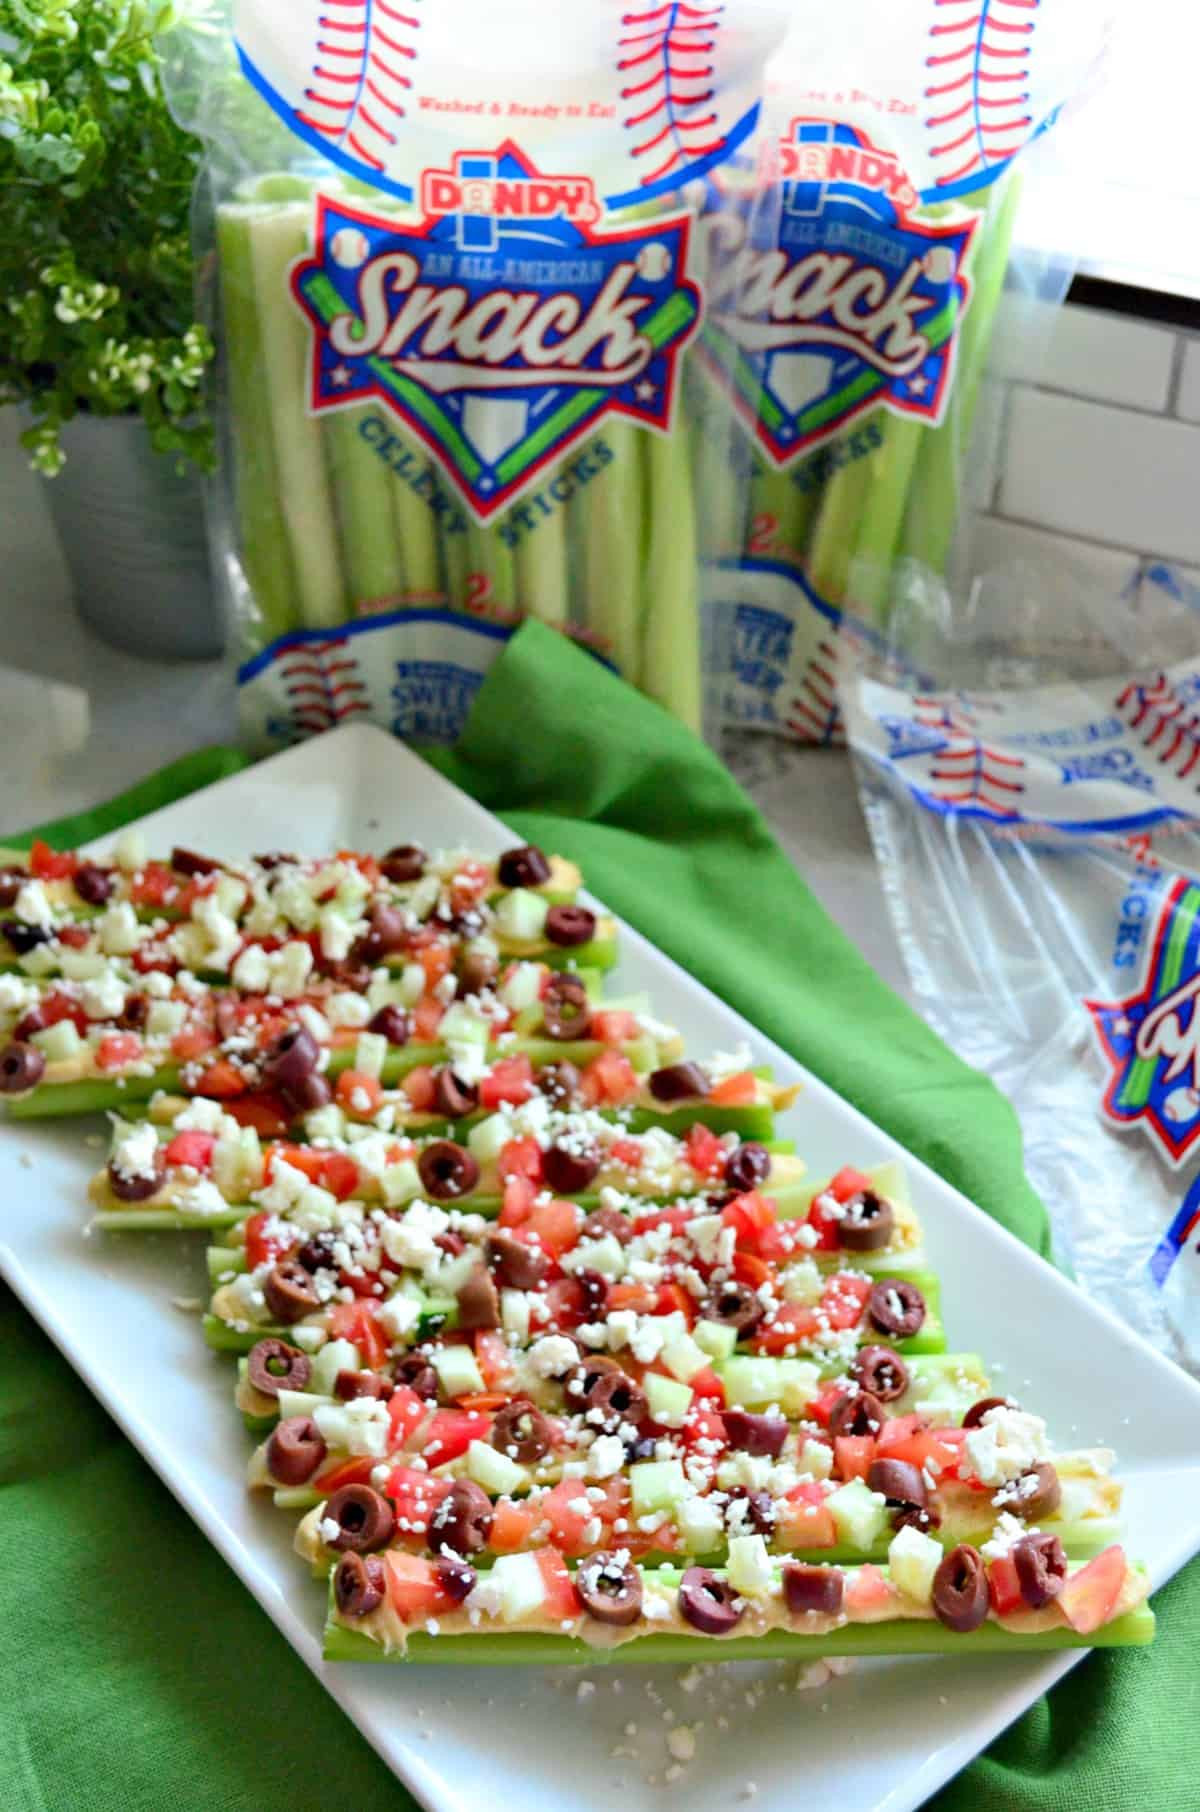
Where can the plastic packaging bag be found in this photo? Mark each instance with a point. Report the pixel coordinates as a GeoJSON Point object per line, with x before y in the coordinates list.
{"type": "Point", "coordinates": [1030, 772]}
{"type": "Point", "coordinates": [455, 284]}
{"type": "Point", "coordinates": [863, 276]}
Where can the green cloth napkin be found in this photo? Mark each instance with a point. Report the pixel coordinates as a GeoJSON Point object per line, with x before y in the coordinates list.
{"type": "Point", "coordinates": [137, 1672]}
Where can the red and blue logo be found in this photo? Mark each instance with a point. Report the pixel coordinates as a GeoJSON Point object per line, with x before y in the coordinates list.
{"type": "Point", "coordinates": [846, 298]}
{"type": "Point", "coordinates": [1151, 1039]}
{"type": "Point", "coordinates": [502, 326]}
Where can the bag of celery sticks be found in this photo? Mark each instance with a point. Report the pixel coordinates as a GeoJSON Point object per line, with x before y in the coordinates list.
{"type": "Point", "coordinates": [455, 286]}
{"type": "Point", "coordinates": [1028, 768]}
{"type": "Point", "coordinates": [855, 279]}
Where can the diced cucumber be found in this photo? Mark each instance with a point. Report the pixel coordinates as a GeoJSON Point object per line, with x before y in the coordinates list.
{"type": "Point", "coordinates": [913, 1559]}
{"type": "Point", "coordinates": [223, 1259]}
{"type": "Point", "coordinates": [400, 1183]}
{"type": "Point", "coordinates": [458, 1373]}
{"type": "Point", "coordinates": [684, 1357]}
{"type": "Point", "coordinates": [716, 1338]}
{"type": "Point", "coordinates": [755, 1382]}
{"type": "Point", "coordinates": [514, 1313]}
{"type": "Point", "coordinates": [656, 1485]}
{"type": "Point", "coordinates": [334, 1357]}
{"type": "Point", "coordinates": [522, 988]}
{"type": "Point", "coordinates": [801, 1282]}
{"type": "Point", "coordinates": [59, 1042]}
{"type": "Point", "coordinates": [946, 1384]}
{"type": "Point", "coordinates": [486, 1140]}
{"type": "Point", "coordinates": [301, 1403]}
{"type": "Point", "coordinates": [519, 1586]}
{"type": "Point", "coordinates": [668, 1399]}
{"type": "Point", "coordinates": [370, 1053]}
{"type": "Point", "coordinates": [861, 1515]}
{"type": "Point", "coordinates": [494, 1470]}
{"type": "Point", "coordinates": [521, 915]}
{"type": "Point", "coordinates": [750, 1569]}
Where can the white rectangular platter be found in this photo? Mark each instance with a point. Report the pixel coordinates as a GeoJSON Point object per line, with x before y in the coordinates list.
{"type": "Point", "coordinates": [880, 1739]}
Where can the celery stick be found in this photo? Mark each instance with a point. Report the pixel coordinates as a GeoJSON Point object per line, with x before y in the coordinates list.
{"type": "Point", "coordinates": [780, 513]}
{"type": "Point", "coordinates": [836, 526]}
{"type": "Point", "coordinates": [362, 492]}
{"type": "Point", "coordinates": [606, 514]}
{"type": "Point", "coordinates": [165, 1220]}
{"type": "Point", "coordinates": [670, 665]}
{"type": "Point", "coordinates": [543, 583]}
{"type": "Point", "coordinates": [278, 236]}
{"type": "Point", "coordinates": [892, 465]}
{"type": "Point", "coordinates": [94, 1095]}
{"type": "Point", "coordinates": [493, 570]}
{"type": "Point", "coordinates": [456, 553]}
{"type": "Point", "coordinates": [419, 546]}
{"type": "Point", "coordinates": [262, 534]}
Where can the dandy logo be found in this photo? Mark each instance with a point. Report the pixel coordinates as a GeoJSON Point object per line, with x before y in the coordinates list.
{"type": "Point", "coordinates": [844, 299]}
{"type": "Point", "coordinates": [1151, 1039]}
{"type": "Point", "coordinates": [501, 328]}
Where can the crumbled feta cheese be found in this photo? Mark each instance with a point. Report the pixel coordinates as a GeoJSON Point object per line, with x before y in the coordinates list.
{"type": "Point", "coordinates": [1007, 1443]}
{"type": "Point", "coordinates": [399, 1315]}
{"type": "Point", "coordinates": [551, 1356]}
{"type": "Point", "coordinates": [606, 1457]}
{"type": "Point", "coordinates": [135, 1151]}
{"type": "Point", "coordinates": [103, 997]}
{"type": "Point", "coordinates": [252, 970]}
{"type": "Point", "coordinates": [32, 906]}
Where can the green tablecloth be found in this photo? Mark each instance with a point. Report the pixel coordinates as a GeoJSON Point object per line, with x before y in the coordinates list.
{"type": "Point", "coordinates": [137, 1674]}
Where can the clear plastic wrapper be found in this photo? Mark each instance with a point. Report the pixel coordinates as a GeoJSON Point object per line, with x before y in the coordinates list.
{"type": "Point", "coordinates": [1030, 770]}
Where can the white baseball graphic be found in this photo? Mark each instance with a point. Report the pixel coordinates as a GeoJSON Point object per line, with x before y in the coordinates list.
{"type": "Point", "coordinates": [653, 262]}
{"type": "Point", "coordinates": [349, 247]}
{"type": "Point", "coordinates": [1181, 1106]}
{"type": "Point", "coordinates": [637, 97]}
{"type": "Point", "coordinates": [939, 264]}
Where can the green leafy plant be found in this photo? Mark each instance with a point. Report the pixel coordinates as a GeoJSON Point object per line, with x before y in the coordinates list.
{"type": "Point", "coordinates": [96, 299]}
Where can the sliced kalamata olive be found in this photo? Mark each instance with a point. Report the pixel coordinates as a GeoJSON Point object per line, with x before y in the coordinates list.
{"type": "Point", "coordinates": [596, 1290]}
{"type": "Point", "coordinates": [358, 1584]}
{"type": "Point", "coordinates": [293, 1057]}
{"type": "Point", "coordinates": [352, 975]}
{"type": "Point", "coordinates": [902, 1484]}
{"type": "Point", "coordinates": [140, 1185]}
{"type": "Point", "coordinates": [613, 1400]}
{"type": "Point", "coordinates": [819, 1589]}
{"type": "Point", "coordinates": [450, 1241]}
{"type": "Point", "coordinates": [525, 866]}
{"type": "Point", "coordinates": [568, 1169]}
{"type": "Point", "coordinates": [756, 1434]}
{"type": "Point", "coordinates": [191, 862]}
{"type": "Point", "coordinates": [880, 1371]}
{"type": "Point", "coordinates": [404, 863]}
{"type": "Point", "coordinates": [758, 1512]}
{"type": "Point", "coordinates": [29, 1023]}
{"type": "Point", "coordinates": [316, 1254]}
{"type": "Point", "coordinates": [477, 972]}
{"type": "Point", "coordinates": [452, 1096]}
{"type": "Point", "coordinates": [456, 1579]}
{"type": "Point", "coordinates": [976, 1413]}
{"type": "Point", "coordinates": [274, 858]}
{"type": "Point", "coordinates": [349, 1385]}
{"type": "Point", "coordinates": [960, 1590]}
{"type": "Point", "coordinates": [639, 1447]}
{"type": "Point", "coordinates": [559, 1082]}
{"type": "Point", "coordinates": [1041, 1564]}
{"type": "Point", "coordinates": [516, 1266]}
{"type": "Point", "coordinates": [568, 926]}
{"type": "Point", "coordinates": [365, 1520]}
{"type": "Point", "coordinates": [415, 1371]}
{"type": "Point", "coordinates": [447, 1170]}
{"type": "Point", "coordinates": [747, 1166]}
{"type": "Point", "coordinates": [708, 1602]}
{"type": "Point", "coordinates": [289, 1292]}
{"type": "Point", "coordinates": [566, 1010]}
{"type": "Point", "coordinates": [607, 1221]}
{"type": "Point", "coordinates": [11, 882]}
{"type": "Point", "coordinates": [923, 1520]}
{"type": "Point", "coordinates": [393, 1023]}
{"type": "Point", "coordinates": [582, 1377]}
{"type": "Point", "coordinates": [679, 1082]}
{"type": "Point", "coordinates": [735, 1304]}
{"type": "Point", "coordinates": [857, 1412]}
{"type": "Point", "coordinates": [93, 883]}
{"type": "Point", "coordinates": [478, 1302]}
{"type": "Point", "coordinates": [295, 1450]}
{"type": "Point", "coordinates": [896, 1308]}
{"type": "Point", "coordinates": [610, 1589]}
{"type": "Point", "coordinates": [134, 1014]}
{"type": "Point", "coordinates": [867, 1224]}
{"type": "Point", "coordinates": [24, 938]}
{"type": "Point", "coordinates": [1037, 1493]}
{"type": "Point", "coordinates": [386, 933]}
{"type": "Point", "coordinates": [463, 1519]}
{"type": "Point", "coordinates": [311, 1092]}
{"type": "Point", "coordinates": [521, 1431]}
{"type": "Point", "coordinates": [22, 1067]}
{"type": "Point", "coordinates": [274, 1366]}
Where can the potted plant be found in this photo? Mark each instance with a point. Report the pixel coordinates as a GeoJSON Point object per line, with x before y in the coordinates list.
{"type": "Point", "coordinates": [98, 338]}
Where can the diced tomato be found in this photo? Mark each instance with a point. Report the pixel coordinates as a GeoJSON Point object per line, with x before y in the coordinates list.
{"type": "Point", "coordinates": [494, 1359]}
{"type": "Point", "coordinates": [513, 1524]}
{"type": "Point", "coordinates": [564, 1304]}
{"type": "Point", "coordinates": [735, 1091]}
{"type": "Point", "coordinates": [923, 1446]}
{"type": "Point", "coordinates": [673, 1299]}
{"type": "Point", "coordinates": [608, 1078]}
{"type": "Point", "coordinates": [155, 885]}
{"type": "Point", "coordinates": [117, 1049]}
{"type": "Point", "coordinates": [703, 1431]}
{"type": "Point", "coordinates": [356, 1471]}
{"type": "Point", "coordinates": [803, 1519]}
{"type": "Point", "coordinates": [220, 1080]}
{"type": "Point", "coordinates": [641, 1297]}
{"type": "Point", "coordinates": [1089, 1597]}
{"type": "Point", "coordinates": [359, 1093]}
{"type": "Point", "coordinates": [416, 1497]}
{"type": "Point", "coordinates": [437, 960]}
{"type": "Point", "coordinates": [748, 1214]}
{"type": "Point", "coordinates": [748, 1268]}
{"type": "Point", "coordinates": [707, 1387]}
{"type": "Point", "coordinates": [412, 1587]}
{"type": "Point", "coordinates": [343, 1038]}
{"type": "Point", "coordinates": [51, 864]}
{"type": "Point", "coordinates": [57, 1007]}
{"type": "Point", "coordinates": [896, 1429]}
{"type": "Point", "coordinates": [843, 1300]}
{"type": "Point", "coordinates": [511, 1080]}
{"type": "Point", "coordinates": [406, 1412]}
{"type": "Point", "coordinates": [847, 1183]}
{"type": "Point", "coordinates": [627, 1152]}
{"type": "Point", "coordinates": [520, 1158]}
{"type": "Point", "coordinates": [821, 1408]}
{"type": "Point", "coordinates": [1004, 1587]}
{"type": "Point", "coordinates": [867, 1590]}
{"type": "Point", "coordinates": [561, 1602]}
{"type": "Point", "coordinates": [339, 1174]}
{"type": "Point", "coordinates": [304, 1158]}
{"type": "Point", "coordinates": [488, 1400]}
{"type": "Point", "coordinates": [355, 1321]}
{"type": "Point", "coordinates": [852, 1455]}
{"type": "Point", "coordinates": [192, 1042]}
{"type": "Point", "coordinates": [611, 1026]}
{"type": "Point", "coordinates": [420, 1085]}
{"type": "Point", "coordinates": [556, 1224]}
{"type": "Point", "coordinates": [426, 1018]}
{"type": "Point", "coordinates": [259, 1249]}
{"type": "Point", "coordinates": [366, 864]}
{"type": "Point", "coordinates": [153, 957]}
{"type": "Point", "coordinates": [826, 1226]}
{"type": "Point", "coordinates": [194, 1149]}
{"type": "Point", "coordinates": [191, 891]}
{"type": "Point", "coordinates": [75, 937]}
{"type": "Point", "coordinates": [518, 1200]}
{"type": "Point", "coordinates": [567, 1525]}
{"type": "Point", "coordinates": [469, 882]}
{"type": "Point", "coordinates": [451, 1433]}
{"type": "Point", "coordinates": [790, 1325]}
{"type": "Point", "coordinates": [705, 1151]}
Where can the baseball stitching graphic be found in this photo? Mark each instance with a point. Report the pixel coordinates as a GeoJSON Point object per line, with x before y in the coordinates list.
{"type": "Point", "coordinates": [815, 716]}
{"type": "Point", "coordinates": [978, 93]}
{"type": "Point", "coordinates": [668, 54]}
{"type": "Point", "coordinates": [1171, 728]}
{"type": "Point", "coordinates": [322, 684]}
{"type": "Point", "coordinates": [359, 81]}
